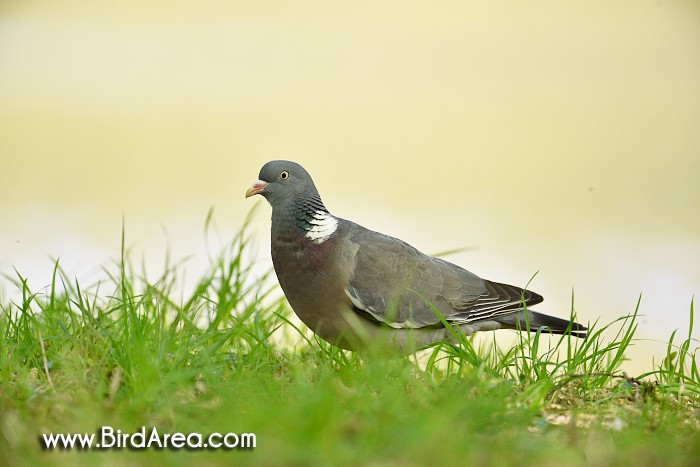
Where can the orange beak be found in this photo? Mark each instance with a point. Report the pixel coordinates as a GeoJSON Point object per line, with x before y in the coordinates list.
{"type": "Point", "coordinates": [257, 188]}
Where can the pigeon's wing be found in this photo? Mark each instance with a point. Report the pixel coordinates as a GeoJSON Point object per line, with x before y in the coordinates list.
{"type": "Point", "coordinates": [395, 284]}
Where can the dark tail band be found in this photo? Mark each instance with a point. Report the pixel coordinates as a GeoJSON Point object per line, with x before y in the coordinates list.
{"type": "Point", "coordinates": [537, 320]}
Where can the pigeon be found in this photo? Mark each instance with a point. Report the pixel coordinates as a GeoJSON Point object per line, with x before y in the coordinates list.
{"type": "Point", "coordinates": [354, 287]}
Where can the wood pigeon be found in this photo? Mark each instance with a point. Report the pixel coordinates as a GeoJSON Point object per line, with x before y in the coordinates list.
{"type": "Point", "coordinates": [353, 286]}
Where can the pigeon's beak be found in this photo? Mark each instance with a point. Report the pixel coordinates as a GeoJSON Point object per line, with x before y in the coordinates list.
{"type": "Point", "coordinates": [257, 187]}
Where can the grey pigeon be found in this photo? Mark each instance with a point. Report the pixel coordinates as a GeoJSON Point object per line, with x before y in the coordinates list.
{"type": "Point", "coordinates": [353, 286]}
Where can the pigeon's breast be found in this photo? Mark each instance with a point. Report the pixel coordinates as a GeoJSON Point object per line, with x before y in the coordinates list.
{"type": "Point", "coordinates": [294, 255]}
{"type": "Point", "coordinates": [313, 277]}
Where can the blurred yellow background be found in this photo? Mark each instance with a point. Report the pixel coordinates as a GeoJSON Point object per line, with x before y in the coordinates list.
{"type": "Point", "coordinates": [559, 137]}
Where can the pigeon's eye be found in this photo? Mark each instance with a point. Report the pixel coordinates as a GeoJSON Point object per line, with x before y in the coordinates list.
{"type": "Point", "coordinates": [284, 175]}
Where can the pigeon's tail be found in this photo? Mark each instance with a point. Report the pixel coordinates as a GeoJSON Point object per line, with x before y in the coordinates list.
{"type": "Point", "coordinates": [537, 320]}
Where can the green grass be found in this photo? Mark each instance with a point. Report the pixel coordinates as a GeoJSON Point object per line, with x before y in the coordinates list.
{"type": "Point", "coordinates": [229, 358]}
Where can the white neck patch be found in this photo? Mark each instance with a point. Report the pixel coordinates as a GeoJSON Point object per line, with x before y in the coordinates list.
{"type": "Point", "coordinates": [322, 227]}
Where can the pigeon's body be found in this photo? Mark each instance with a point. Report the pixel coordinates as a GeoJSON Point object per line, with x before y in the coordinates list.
{"type": "Point", "coordinates": [353, 286]}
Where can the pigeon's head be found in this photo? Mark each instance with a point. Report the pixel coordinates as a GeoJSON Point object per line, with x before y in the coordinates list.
{"type": "Point", "coordinates": [283, 181]}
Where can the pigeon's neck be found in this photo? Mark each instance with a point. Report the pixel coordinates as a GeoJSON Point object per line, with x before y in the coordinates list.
{"type": "Point", "coordinates": [309, 217]}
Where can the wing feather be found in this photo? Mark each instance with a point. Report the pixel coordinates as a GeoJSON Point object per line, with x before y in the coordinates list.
{"type": "Point", "coordinates": [392, 281]}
